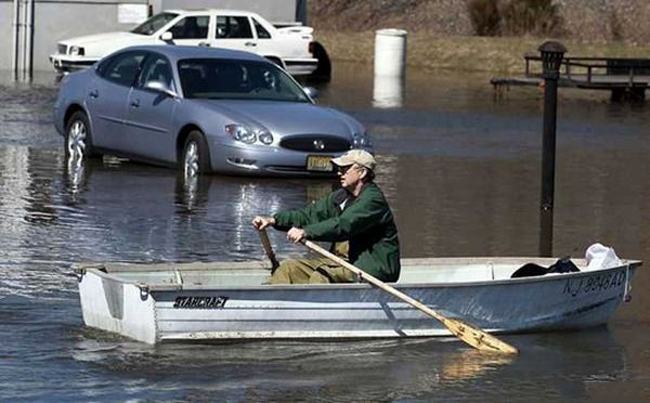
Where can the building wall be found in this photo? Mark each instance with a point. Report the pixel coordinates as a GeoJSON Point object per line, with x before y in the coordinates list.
{"type": "Point", "coordinates": [6, 39]}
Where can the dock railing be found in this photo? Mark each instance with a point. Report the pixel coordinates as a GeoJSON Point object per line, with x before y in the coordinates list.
{"type": "Point", "coordinates": [590, 68]}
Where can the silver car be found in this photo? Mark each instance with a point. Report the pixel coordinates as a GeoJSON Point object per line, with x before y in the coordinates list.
{"type": "Point", "coordinates": [202, 110]}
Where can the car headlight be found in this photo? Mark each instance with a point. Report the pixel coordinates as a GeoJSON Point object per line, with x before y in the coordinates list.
{"type": "Point", "coordinates": [361, 140]}
{"type": "Point", "coordinates": [265, 137]}
{"type": "Point", "coordinates": [241, 133]}
{"type": "Point", "coordinates": [77, 51]}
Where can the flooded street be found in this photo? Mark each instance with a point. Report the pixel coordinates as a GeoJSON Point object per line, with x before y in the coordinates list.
{"type": "Point", "coordinates": [461, 167]}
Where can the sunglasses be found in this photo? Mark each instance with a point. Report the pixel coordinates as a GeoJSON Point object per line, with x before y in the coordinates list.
{"type": "Point", "coordinates": [344, 170]}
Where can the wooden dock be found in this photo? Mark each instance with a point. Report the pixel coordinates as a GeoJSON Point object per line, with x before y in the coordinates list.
{"type": "Point", "coordinates": [626, 78]}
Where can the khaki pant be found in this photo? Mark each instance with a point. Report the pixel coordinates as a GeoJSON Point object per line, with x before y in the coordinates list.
{"type": "Point", "coordinates": [314, 271]}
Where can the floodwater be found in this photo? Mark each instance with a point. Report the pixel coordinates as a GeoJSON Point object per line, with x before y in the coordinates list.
{"type": "Point", "coordinates": [461, 167]}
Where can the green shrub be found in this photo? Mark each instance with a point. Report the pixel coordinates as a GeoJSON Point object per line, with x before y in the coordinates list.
{"type": "Point", "coordinates": [616, 26]}
{"type": "Point", "coordinates": [485, 17]}
{"type": "Point", "coordinates": [514, 17]}
{"type": "Point", "coordinates": [536, 17]}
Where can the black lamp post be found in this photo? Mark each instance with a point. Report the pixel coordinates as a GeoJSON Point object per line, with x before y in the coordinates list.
{"type": "Point", "coordinates": [552, 54]}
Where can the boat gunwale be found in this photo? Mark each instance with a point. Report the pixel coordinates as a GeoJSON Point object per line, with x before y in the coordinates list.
{"type": "Point", "coordinates": [162, 287]}
{"type": "Point", "coordinates": [262, 265]}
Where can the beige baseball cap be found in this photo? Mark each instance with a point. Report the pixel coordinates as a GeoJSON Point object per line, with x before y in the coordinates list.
{"type": "Point", "coordinates": [361, 157]}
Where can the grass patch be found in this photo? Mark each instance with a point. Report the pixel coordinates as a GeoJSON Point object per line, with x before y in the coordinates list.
{"type": "Point", "coordinates": [429, 50]}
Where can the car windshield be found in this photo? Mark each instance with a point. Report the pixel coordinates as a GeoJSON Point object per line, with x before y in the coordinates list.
{"type": "Point", "coordinates": [237, 79]}
{"type": "Point", "coordinates": [154, 23]}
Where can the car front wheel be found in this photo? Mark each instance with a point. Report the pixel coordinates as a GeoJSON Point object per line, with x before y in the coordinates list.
{"type": "Point", "coordinates": [78, 140]}
{"type": "Point", "coordinates": [196, 159]}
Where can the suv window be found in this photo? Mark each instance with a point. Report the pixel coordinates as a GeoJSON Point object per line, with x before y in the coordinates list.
{"type": "Point", "coordinates": [233, 27]}
{"type": "Point", "coordinates": [156, 68]}
{"type": "Point", "coordinates": [191, 28]}
{"type": "Point", "coordinates": [122, 68]}
{"type": "Point", "coordinates": [262, 33]}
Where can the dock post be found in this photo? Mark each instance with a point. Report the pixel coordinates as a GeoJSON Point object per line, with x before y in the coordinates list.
{"type": "Point", "coordinates": [552, 54]}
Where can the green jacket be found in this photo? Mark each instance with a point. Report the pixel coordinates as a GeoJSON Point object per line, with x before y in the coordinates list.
{"type": "Point", "coordinates": [366, 222]}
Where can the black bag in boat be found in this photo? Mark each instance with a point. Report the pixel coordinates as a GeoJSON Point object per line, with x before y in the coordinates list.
{"type": "Point", "coordinates": [564, 265]}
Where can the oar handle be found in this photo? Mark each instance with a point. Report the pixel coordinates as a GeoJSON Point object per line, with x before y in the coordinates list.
{"type": "Point", "coordinates": [470, 334]}
{"type": "Point", "coordinates": [264, 237]}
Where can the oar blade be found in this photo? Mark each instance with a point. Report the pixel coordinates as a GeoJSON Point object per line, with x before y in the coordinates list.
{"type": "Point", "coordinates": [478, 338]}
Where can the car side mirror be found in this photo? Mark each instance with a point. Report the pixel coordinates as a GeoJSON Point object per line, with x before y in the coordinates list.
{"type": "Point", "coordinates": [311, 92]}
{"type": "Point", "coordinates": [160, 87]}
{"type": "Point", "coordinates": [167, 37]}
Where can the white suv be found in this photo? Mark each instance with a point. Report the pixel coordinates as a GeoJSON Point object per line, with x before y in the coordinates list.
{"type": "Point", "coordinates": [290, 47]}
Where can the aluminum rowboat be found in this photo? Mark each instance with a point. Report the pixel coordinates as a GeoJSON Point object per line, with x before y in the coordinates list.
{"type": "Point", "coordinates": [159, 302]}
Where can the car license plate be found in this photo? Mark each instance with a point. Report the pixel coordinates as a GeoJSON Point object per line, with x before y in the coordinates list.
{"type": "Point", "coordinates": [319, 163]}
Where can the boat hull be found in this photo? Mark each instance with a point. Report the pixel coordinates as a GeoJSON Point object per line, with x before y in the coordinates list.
{"type": "Point", "coordinates": [176, 310]}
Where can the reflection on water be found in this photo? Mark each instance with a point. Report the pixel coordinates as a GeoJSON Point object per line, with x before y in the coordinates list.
{"type": "Point", "coordinates": [75, 173]}
{"type": "Point", "coordinates": [461, 172]}
{"type": "Point", "coordinates": [57, 212]}
{"type": "Point", "coordinates": [388, 91]}
{"type": "Point", "coordinates": [467, 364]}
{"type": "Point", "coordinates": [423, 369]}
{"type": "Point", "coordinates": [189, 190]}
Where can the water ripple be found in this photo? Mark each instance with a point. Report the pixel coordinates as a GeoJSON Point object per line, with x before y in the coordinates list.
{"type": "Point", "coordinates": [461, 172]}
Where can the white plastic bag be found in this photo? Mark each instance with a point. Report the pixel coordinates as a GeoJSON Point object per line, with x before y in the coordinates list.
{"type": "Point", "coordinates": [599, 256]}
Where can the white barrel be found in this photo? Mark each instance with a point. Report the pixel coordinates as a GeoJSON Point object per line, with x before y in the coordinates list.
{"type": "Point", "coordinates": [390, 52]}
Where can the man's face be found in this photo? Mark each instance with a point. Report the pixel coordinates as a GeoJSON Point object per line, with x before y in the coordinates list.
{"type": "Point", "coordinates": [350, 176]}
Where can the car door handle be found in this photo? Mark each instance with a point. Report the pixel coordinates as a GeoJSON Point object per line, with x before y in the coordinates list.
{"type": "Point", "coordinates": [93, 94]}
{"type": "Point", "coordinates": [250, 44]}
{"type": "Point", "coordinates": [135, 103]}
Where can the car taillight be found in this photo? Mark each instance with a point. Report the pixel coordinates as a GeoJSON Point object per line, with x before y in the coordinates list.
{"type": "Point", "coordinates": [311, 47]}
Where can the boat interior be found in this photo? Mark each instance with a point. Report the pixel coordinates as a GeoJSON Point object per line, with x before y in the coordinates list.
{"type": "Point", "coordinates": [257, 273]}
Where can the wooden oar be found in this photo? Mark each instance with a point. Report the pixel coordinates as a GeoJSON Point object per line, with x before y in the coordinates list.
{"type": "Point", "coordinates": [470, 334]}
{"type": "Point", "coordinates": [269, 250]}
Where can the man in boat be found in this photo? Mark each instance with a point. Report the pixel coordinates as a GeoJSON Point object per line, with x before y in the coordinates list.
{"type": "Point", "coordinates": [357, 218]}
